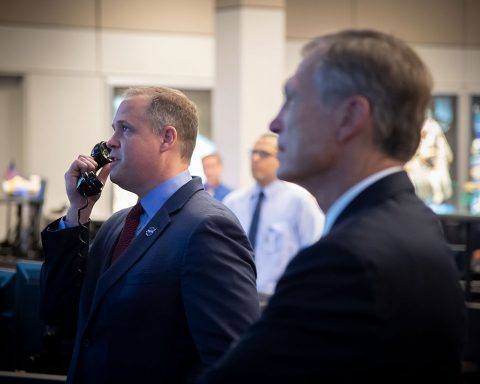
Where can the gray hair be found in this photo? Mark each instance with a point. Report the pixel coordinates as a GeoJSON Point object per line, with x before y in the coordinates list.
{"type": "Point", "coordinates": [387, 72]}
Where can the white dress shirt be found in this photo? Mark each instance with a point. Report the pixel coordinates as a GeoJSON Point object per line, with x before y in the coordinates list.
{"type": "Point", "coordinates": [290, 219]}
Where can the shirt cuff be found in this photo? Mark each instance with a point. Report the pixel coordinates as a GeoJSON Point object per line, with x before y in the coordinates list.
{"type": "Point", "coordinates": [62, 224]}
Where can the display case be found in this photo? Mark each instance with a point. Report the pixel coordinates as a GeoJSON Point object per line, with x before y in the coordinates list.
{"type": "Point", "coordinates": [473, 185]}
{"type": "Point", "coordinates": [433, 167]}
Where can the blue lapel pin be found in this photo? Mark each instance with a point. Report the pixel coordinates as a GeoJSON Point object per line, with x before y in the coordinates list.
{"type": "Point", "coordinates": [149, 232]}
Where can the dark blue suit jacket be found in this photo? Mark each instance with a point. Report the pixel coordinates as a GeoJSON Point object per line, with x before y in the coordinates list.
{"type": "Point", "coordinates": [376, 300]}
{"type": "Point", "coordinates": [170, 305]}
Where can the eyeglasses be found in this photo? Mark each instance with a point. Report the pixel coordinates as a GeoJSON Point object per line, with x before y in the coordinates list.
{"type": "Point", "coordinates": [260, 153]}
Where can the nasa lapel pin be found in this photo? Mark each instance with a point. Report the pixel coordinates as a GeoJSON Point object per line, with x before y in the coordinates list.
{"type": "Point", "coordinates": [149, 232]}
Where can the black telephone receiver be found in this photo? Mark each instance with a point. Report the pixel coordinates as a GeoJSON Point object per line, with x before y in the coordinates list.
{"type": "Point", "coordinates": [88, 184]}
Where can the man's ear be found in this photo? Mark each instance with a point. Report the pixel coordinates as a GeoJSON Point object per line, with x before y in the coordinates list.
{"type": "Point", "coordinates": [352, 115]}
{"type": "Point", "coordinates": [169, 134]}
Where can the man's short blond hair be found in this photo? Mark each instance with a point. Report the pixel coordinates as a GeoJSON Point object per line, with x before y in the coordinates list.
{"type": "Point", "coordinates": [171, 107]}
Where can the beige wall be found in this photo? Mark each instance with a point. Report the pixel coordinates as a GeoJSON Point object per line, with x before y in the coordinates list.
{"type": "Point", "coordinates": [11, 135]}
{"type": "Point", "coordinates": [451, 22]}
{"type": "Point", "coordinates": [417, 21]}
{"type": "Point", "coordinates": [184, 16]}
{"type": "Point", "coordinates": [74, 13]}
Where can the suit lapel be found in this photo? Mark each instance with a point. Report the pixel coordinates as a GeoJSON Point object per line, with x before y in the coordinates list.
{"type": "Point", "coordinates": [110, 243]}
{"type": "Point", "coordinates": [376, 193]}
{"type": "Point", "coordinates": [141, 243]}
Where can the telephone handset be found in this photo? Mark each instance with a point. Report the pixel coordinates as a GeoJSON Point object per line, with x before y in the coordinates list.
{"type": "Point", "coordinates": [88, 184]}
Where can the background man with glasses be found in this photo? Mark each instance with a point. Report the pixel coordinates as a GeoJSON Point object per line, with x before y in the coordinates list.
{"type": "Point", "coordinates": [279, 217]}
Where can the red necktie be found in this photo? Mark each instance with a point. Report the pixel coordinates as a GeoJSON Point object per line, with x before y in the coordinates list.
{"type": "Point", "coordinates": [128, 231]}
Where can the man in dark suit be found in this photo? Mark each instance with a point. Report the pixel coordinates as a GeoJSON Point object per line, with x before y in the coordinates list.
{"type": "Point", "coordinates": [173, 301]}
{"type": "Point", "coordinates": [377, 298]}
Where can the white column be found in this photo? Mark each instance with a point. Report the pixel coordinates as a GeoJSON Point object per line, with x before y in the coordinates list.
{"type": "Point", "coordinates": [250, 70]}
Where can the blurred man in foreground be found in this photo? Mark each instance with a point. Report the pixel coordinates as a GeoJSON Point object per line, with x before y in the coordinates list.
{"type": "Point", "coordinates": [377, 298]}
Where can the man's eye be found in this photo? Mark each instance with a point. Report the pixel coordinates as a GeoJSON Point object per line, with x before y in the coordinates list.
{"type": "Point", "coordinates": [125, 128]}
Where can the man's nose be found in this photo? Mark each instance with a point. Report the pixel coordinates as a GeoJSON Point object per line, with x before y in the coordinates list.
{"type": "Point", "coordinates": [275, 125]}
{"type": "Point", "coordinates": [112, 141]}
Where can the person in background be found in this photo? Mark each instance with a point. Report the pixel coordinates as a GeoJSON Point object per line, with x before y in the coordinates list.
{"type": "Point", "coordinates": [377, 299]}
{"type": "Point", "coordinates": [279, 217]}
{"type": "Point", "coordinates": [212, 168]}
{"type": "Point", "coordinates": [165, 296]}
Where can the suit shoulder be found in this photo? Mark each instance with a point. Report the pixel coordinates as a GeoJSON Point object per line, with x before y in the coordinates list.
{"type": "Point", "coordinates": [202, 206]}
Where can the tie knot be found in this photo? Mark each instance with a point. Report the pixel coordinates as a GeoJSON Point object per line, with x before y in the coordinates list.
{"type": "Point", "coordinates": [135, 212]}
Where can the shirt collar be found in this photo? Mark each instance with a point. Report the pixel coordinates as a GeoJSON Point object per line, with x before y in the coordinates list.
{"type": "Point", "coordinates": [156, 198]}
{"type": "Point", "coordinates": [268, 190]}
{"type": "Point", "coordinates": [341, 203]}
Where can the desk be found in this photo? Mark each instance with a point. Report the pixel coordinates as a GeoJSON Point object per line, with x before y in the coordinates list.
{"type": "Point", "coordinates": [22, 237]}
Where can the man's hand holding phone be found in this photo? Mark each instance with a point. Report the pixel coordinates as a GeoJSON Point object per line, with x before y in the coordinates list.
{"type": "Point", "coordinates": [82, 183]}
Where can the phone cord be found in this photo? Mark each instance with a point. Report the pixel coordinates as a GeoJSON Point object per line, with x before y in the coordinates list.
{"type": "Point", "coordinates": [82, 252]}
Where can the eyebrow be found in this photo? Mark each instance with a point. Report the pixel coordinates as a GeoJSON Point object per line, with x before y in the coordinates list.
{"type": "Point", "coordinates": [119, 122]}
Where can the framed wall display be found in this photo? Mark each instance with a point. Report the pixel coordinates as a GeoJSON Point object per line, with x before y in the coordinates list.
{"type": "Point", "coordinates": [444, 111]}
{"type": "Point", "coordinates": [473, 186]}
{"type": "Point", "coordinates": [433, 167]}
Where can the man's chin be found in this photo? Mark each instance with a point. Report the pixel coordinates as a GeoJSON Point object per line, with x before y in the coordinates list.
{"type": "Point", "coordinates": [283, 174]}
{"type": "Point", "coordinates": [115, 179]}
